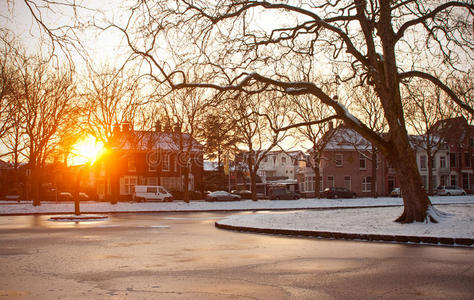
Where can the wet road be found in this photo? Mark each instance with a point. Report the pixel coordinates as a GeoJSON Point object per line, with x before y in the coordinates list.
{"type": "Point", "coordinates": [183, 256]}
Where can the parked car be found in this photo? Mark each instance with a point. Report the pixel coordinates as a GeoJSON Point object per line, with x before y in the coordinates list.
{"type": "Point", "coordinates": [396, 192]}
{"type": "Point", "coordinates": [222, 196]}
{"type": "Point", "coordinates": [151, 193]}
{"type": "Point", "coordinates": [244, 194]}
{"type": "Point", "coordinates": [449, 190]}
{"type": "Point", "coordinates": [283, 194]}
{"type": "Point", "coordinates": [337, 192]}
{"type": "Point", "coordinates": [65, 196]}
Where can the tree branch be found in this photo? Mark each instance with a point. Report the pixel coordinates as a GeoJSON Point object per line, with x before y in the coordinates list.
{"type": "Point", "coordinates": [438, 82]}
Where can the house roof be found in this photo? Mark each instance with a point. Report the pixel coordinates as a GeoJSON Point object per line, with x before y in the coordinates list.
{"type": "Point", "coordinates": [4, 165]}
{"type": "Point", "coordinates": [453, 130]}
{"type": "Point", "coordinates": [147, 140]}
{"type": "Point", "coordinates": [347, 139]}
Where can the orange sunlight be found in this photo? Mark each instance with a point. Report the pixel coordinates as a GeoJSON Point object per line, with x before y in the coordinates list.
{"type": "Point", "coordinates": [87, 150]}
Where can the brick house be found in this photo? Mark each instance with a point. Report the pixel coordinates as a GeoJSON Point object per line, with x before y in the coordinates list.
{"type": "Point", "coordinates": [346, 162]}
{"type": "Point", "coordinates": [149, 158]}
{"type": "Point", "coordinates": [459, 137]}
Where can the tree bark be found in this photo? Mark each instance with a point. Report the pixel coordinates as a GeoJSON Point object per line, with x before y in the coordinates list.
{"type": "Point", "coordinates": [415, 199]}
{"type": "Point", "coordinates": [317, 180]}
{"type": "Point", "coordinates": [374, 172]}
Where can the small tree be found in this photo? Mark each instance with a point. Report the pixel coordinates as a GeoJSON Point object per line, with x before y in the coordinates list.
{"type": "Point", "coordinates": [256, 119]}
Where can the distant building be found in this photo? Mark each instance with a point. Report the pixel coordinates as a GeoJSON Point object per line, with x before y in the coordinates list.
{"type": "Point", "coordinates": [277, 165]}
{"type": "Point", "coordinates": [459, 137]}
{"type": "Point", "coordinates": [149, 158]}
{"type": "Point", "coordinates": [346, 162]}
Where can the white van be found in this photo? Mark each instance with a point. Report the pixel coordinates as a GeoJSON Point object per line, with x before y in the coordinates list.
{"type": "Point", "coordinates": [151, 193]}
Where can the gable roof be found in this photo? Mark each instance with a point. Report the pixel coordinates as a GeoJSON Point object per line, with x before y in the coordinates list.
{"type": "Point", "coordinates": [454, 130]}
{"type": "Point", "coordinates": [344, 138]}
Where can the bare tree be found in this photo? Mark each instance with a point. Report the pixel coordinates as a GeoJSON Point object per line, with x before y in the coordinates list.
{"type": "Point", "coordinates": [317, 133]}
{"type": "Point", "coordinates": [8, 83]}
{"type": "Point", "coordinates": [111, 97]}
{"type": "Point", "coordinates": [367, 107]}
{"type": "Point", "coordinates": [257, 119]}
{"type": "Point", "coordinates": [47, 96]}
{"type": "Point", "coordinates": [362, 42]}
{"type": "Point", "coordinates": [184, 113]}
{"type": "Point", "coordinates": [425, 106]}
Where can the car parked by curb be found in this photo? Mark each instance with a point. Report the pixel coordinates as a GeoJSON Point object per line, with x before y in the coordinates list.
{"type": "Point", "coordinates": [338, 192]}
{"type": "Point", "coordinates": [450, 190]}
{"type": "Point", "coordinates": [283, 194]}
{"type": "Point", "coordinates": [222, 196]}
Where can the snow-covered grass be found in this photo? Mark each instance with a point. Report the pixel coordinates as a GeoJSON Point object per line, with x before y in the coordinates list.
{"type": "Point", "coordinates": [363, 215]}
{"type": "Point", "coordinates": [377, 220]}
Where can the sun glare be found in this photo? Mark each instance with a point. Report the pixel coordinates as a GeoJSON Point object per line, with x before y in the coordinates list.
{"type": "Point", "coordinates": [87, 150]}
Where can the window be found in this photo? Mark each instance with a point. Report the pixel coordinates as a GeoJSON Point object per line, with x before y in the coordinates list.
{"type": "Point", "coordinates": [347, 182]}
{"type": "Point", "coordinates": [443, 180]}
{"type": "Point", "coordinates": [467, 159]}
{"type": "Point", "coordinates": [423, 162]}
{"type": "Point", "coordinates": [309, 184]}
{"type": "Point", "coordinates": [433, 163]}
{"type": "Point", "coordinates": [367, 184]}
{"type": "Point", "coordinates": [152, 180]}
{"type": "Point", "coordinates": [466, 181]}
{"type": "Point", "coordinates": [454, 180]}
{"type": "Point", "coordinates": [434, 181]}
{"type": "Point", "coordinates": [151, 166]}
{"type": "Point", "coordinates": [339, 158]}
{"type": "Point", "coordinates": [424, 180]}
{"type": "Point", "coordinates": [131, 167]}
{"type": "Point", "coordinates": [472, 142]}
{"type": "Point", "coordinates": [283, 161]}
{"type": "Point", "coordinates": [442, 162]}
{"type": "Point", "coordinates": [166, 163]}
{"type": "Point", "coordinates": [452, 160]}
{"type": "Point", "coordinates": [330, 181]}
{"type": "Point", "coordinates": [127, 186]}
{"type": "Point", "coordinates": [363, 162]}
{"type": "Point", "coordinates": [151, 189]}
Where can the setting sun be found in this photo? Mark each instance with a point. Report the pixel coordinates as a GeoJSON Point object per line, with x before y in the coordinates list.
{"type": "Point", "coordinates": [87, 150]}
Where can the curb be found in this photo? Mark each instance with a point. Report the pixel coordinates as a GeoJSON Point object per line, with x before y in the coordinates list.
{"type": "Point", "coordinates": [428, 240]}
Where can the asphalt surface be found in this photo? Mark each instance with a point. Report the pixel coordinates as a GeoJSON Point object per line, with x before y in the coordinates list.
{"type": "Point", "coordinates": [183, 256]}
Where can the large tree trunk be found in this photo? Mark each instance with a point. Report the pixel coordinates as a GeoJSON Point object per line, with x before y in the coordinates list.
{"type": "Point", "coordinates": [399, 153]}
{"type": "Point", "coordinates": [415, 199]}
{"type": "Point", "coordinates": [374, 172]}
{"type": "Point", "coordinates": [253, 185]}
{"type": "Point", "coordinates": [429, 158]}
{"type": "Point", "coordinates": [35, 185]}
{"type": "Point", "coordinates": [186, 184]}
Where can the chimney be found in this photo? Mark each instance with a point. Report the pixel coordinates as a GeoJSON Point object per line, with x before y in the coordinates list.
{"type": "Point", "coordinates": [126, 127]}
{"type": "Point", "coordinates": [158, 126]}
{"type": "Point", "coordinates": [177, 128]}
{"type": "Point", "coordinates": [331, 126]}
{"type": "Point", "coordinates": [116, 129]}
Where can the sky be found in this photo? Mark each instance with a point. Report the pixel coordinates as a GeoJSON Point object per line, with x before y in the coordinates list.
{"type": "Point", "coordinates": [104, 47]}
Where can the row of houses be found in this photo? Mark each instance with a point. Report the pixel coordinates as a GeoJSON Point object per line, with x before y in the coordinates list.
{"type": "Point", "coordinates": [163, 157]}
{"type": "Point", "coordinates": [347, 161]}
